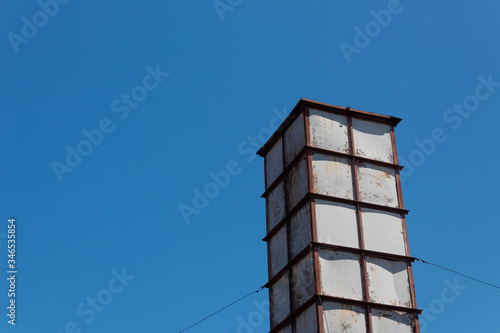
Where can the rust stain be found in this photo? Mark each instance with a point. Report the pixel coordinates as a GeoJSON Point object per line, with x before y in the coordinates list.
{"type": "Point", "coordinates": [359, 152]}
{"type": "Point", "coordinates": [346, 146]}
{"type": "Point", "coordinates": [345, 327]}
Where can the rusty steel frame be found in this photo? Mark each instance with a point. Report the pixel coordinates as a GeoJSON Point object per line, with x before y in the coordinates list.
{"type": "Point", "coordinates": [405, 230]}
{"type": "Point", "coordinates": [302, 109]}
{"type": "Point", "coordinates": [315, 246]}
{"type": "Point", "coordinates": [308, 149]}
{"type": "Point", "coordinates": [307, 103]}
{"type": "Point", "coordinates": [361, 237]}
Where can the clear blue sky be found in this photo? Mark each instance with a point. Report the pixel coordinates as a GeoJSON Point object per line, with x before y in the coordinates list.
{"type": "Point", "coordinates": [118, 208]}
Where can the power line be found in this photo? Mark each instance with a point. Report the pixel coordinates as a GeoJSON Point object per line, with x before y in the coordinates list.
{"type": "Point", "coordinates": [213, 314]}
{"type": "Point", "coordinates": [466, 276]}
{"type": "Point", "coordinates": [262, 287]}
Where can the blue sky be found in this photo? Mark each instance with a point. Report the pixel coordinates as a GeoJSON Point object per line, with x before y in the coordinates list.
{"type": "Point", "coordinates": [173, 92]}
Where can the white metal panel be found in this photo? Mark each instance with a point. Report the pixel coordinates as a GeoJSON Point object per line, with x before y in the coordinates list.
{"type": "Point", "coordinates": [276, 206]}
{"type": "Point", "coordinates": [307, 321]}
{"type": "Point", "coordinates": [388, 281]}
{"type": "Point", "coordinates": [332, 176]}
{"type": "Point", "coordinates": [377, 184]}
{"type": "Point", "coordinates": [340, 274]}
{"type": "Point", "coordinates": [385, 321]}
{"type": "Point", "coordinates": [372, 140]}
{"type": "Point", "coordinates": [298, 182]}
{"type": "Point", "coordinates": [279, 300]}
{"type": "Point", "coordinates": [295, 138]}
{"type": "Point", "coordinates": [336, 223]}
{"type": "Point", "coordinates": [383, 231]}
{"type": "Point", "coordinates": [300, 230]}
{"type": "Point", "coordinates": [303, 281]}
{"type": "Point", "coordinates": [328, 131]}
{"type": "Point", "coordinates": [274, 162]}
{"type": "Point", "coordinates": [278, 255]}
{"type": "Point", "coordinates": [344, 318]}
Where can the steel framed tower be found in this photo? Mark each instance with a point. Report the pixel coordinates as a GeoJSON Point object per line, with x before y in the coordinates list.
{"type": "Point", "coordinates": [338, 254]}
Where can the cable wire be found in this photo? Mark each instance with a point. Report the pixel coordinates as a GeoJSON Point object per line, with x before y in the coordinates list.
{"type": "Point", "coordinates": [466, 276]}
{"type": "Point", "coordinates": [262, 287]}
{"type": "Point", "coordinates": [213, 314]}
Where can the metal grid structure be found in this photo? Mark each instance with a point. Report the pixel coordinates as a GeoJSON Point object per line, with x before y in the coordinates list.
{"type": "Point", "coordinates": [338, 254]}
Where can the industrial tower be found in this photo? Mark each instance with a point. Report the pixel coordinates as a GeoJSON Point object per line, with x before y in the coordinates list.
{"type": "Point", "coordinates": [338, 254]}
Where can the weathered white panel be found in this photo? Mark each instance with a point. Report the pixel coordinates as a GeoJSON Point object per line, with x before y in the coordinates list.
{"type": "Point", "coordinates": [383, 231]}
{"type": "Point", "coordinates": [295, 139]}
{"type": "Point", "coordinates": [328, 131]}
{"type": "Point", "coordinates": [279, 300]}
{"type": "Point", "coordinates": [337, 223]}
{"type": "Point", "coordinates": [340, 274]}
{"type": "Point", "coordinates": [372, 140]}
{"type": "Point", "coordinates": [332, 176]}
{"type": "Point", "coordinates": [278, 255]}
{"type": "Point", "coordinates": [307, 321]}
{"type": "Point", "coordinates": [274, 162]}
{"type": "Point", "coordinates": [300, 230]}
{"type": "Point", "coordinates": [276, 206]}
{"type": "Point", "coordinates": [303, 281]}
{"type": "Point", "coordinates": [377, 184]}
{"type": "Point", "coordinates": [385, 321]}
{"type": "Point", "coordinates": [344, 318]}
{"type": "Point", "coordinates": [388, 281]}
{"type": "Point", "coordinates": [298, 182]}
